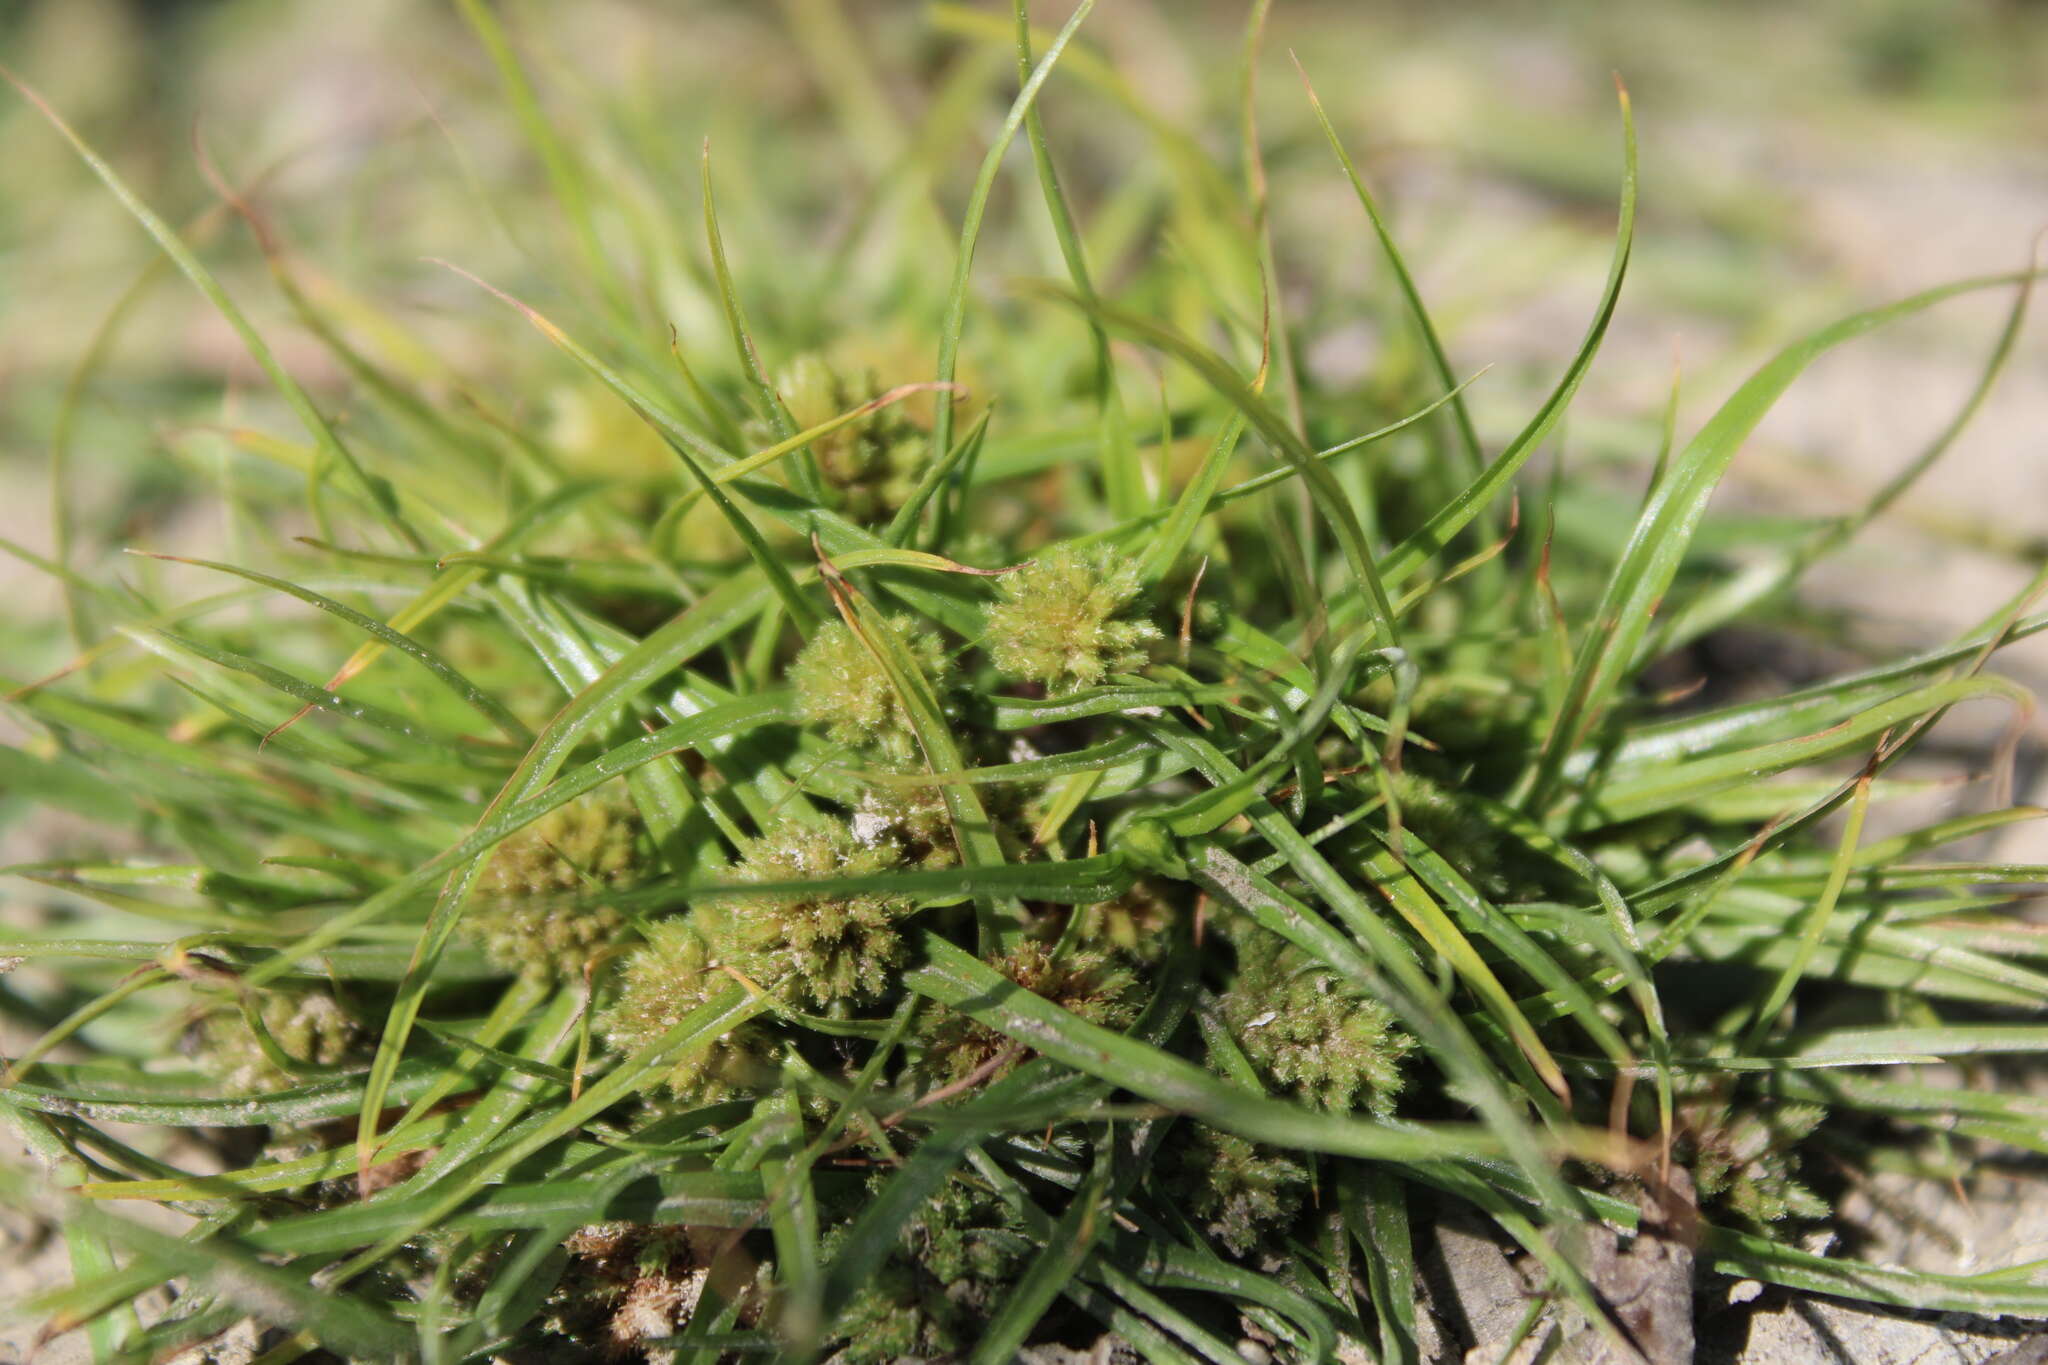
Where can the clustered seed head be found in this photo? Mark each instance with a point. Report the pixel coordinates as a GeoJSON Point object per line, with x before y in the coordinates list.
{"type": "Point", "coordinates": [1234, 1188]}
{"type": "Point", "coordinates": [956, 1257]}
{"type": "Point", "coordinates": [661, 981]}
{"type": "Point", "coordinates": [307, 1026]}
{"type": "Point", "coordinates": [913, 816]}
{"type": "Point", "coordinates": [807, 946]}
{"type": "Point", "coordinates": [873, 462]}
{"type": "Point", "coordinates": [1309, 1032]}
{"type": "Point", "coordinates": [1746, 1160]}
{"type": "Point", "coordinates": [538, 906]}
{"type": "Point", "coordinates": [1087, 982]}
{"type": "Point", "coordinates": [840, 686]}
{"type": "Point", "coordinates": [1058, 623]}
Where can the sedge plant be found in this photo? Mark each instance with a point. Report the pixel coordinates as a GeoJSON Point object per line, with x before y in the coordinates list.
{"type": "Point", "coordinates": [934, 820]}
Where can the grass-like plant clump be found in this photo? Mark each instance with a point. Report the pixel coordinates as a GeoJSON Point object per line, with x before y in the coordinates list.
{"type": "Point", "coordinates": [932, 821]}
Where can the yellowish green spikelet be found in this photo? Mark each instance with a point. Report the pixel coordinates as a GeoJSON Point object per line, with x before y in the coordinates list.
{"type": "Point", "coordinates": [913, 815]}
{"type": "Point", "coordinates": [872, 463]}
{"type": "Point", "coordinates": [1746, 1159]}
{"type": "Point", "coordinates": [1308, 1031]}
{"type": "Point", "coordinates": [841, 687]}
{"type": "Point", "coordinates": [309, 1027]}
{"type": "Point", "coordinates": [810, 947]}
{"type": "Point", "coordinates": [1138, 923]}
{"type": "Point", "coordinates": [1235, 1189]}
{"type": "Point", "coordinates": [1062, 621]}
{"type": "Point", "coordinates": [661, 981]}
{"type": "Point", "coordinates": [538, 907]}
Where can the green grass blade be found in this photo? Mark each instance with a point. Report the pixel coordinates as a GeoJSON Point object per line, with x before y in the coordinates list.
{"type": "Point", "coordinates": [481, 701]}
{"type": "Point", "coordinates": [1123, 480]}
{"type": "Point", "coordinates": [1411, 295]}
{"type": "Point", "coordinates": [1437, 533]}
{"type": "Point", "coordinates": [1661, 537]}
{"type": "Point", "coordinates": [743, 339]}
{"type": "Point", "coordinates": [955, 320]}
{"type": "Point", "coordinates": [1729, 599]}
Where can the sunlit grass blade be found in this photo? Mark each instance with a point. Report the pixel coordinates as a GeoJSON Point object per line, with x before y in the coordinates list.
{"type": "Point", "coordinates": [955, 320]}
{"type": "Point", "coordinates": [1411, 295]}
{"type": "Point", "coordinates": [484, 704]}
{"type": "Point", "coordinates": [765, 395]}
{"type": "Point", "coordinates": [1662, 536]}
{"type": "Point", "coordinates": [1123, 479]}
{"type": "Point", "coordinates": [1443, 525]}
{"type": "Point", "coordinates": [1755, 583]}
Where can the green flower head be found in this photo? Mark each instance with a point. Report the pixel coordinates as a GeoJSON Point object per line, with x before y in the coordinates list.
{"type": "Point", "coordinates": [1087, 982]}
{"type": "Point", "coordinates": [539, 905]}
{"type": "Point", "coordinates": [1235, 1189]}
{"type": "Point", "coordinates": [664, 979]}
{"type": "Point", "coordinates": [841, 686]}
{"type": "Point", "coordinates": [873, 462]}
{"type": "Point", "coordinates": [813, 947]}
{"type": "Point", "coordinates": [309, 1027]}
{"type": "Point", "coordinates": [1058, 623]}
{"type": "Point", "coordinates": [1309, 1032]}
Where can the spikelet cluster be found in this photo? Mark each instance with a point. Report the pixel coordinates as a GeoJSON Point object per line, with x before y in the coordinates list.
{"type": "Point", "coordinates": [1746, 1160]}
{"type": "Point", "coordinates": [1237, 1190]}
{"type": "Point", "coordinates": [810, 947]}
{"type": "Point", "coordinates": [954, 1260]}
{"type": "Point", "coordinates": [871, 464]}
{"type": "Point", "coordinates": [1064, 620]}
{"type": "Point", "coordinates": [1137, 924]}
{"type": "Point", "coordinates": [841, 688]}
{"type": "Point", "coordinates": [309, 1027]}
{"type": "Point", "coordinates": [539, 906]}
{"type": "Point", "coordinates": [1095, 985]}
{"type": "Point", "coordinates": [1307, 1031]}
{"type": "Point", "coordinates": [661, 981]}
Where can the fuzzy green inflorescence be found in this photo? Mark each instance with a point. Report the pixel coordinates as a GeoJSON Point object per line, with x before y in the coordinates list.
{"type": "Point", "coordinates": [1138, 924]}
{"type": "Point", "coordinates": [841, 687]}
{"type": "Point", "coordinates": [1237, 1190]}
{"type": "Point", "coordinates": [660, 982]}
{"type": "Point", "coordinates": [308, 1027]}
{"type": "Point", "coordinates": [952, 1263]}
{"type": "Point", "coordinates": [1063, 621]}
{"type": "Point", "coordinates": [810, 947]}
{"type": "Point", "coordinates": [1309, 1032]}
{"type": "Point", "coordinates": [872, 463]}
{"type": "Point", "coordinates": [539, 907]}
{"type": "Point", "coordinates": [1747, 1160]}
